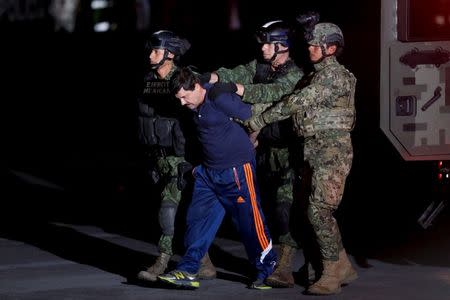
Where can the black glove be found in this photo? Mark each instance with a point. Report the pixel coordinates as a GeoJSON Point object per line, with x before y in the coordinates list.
{"type": "Point", "coordinates": [205, 77]}
{"type": "Point", "coordinates": [184, 175]}
{"type": "Point", "coordinates": [220, 88]}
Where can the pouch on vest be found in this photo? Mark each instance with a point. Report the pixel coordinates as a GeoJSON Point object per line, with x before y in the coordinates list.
{"type": "Point", "coordinates": [146, 110]}
{"type": "Point", "coordinates": [178, 139]}
{"type": "Point", "coordinates": [163, 131]}
{"type": "Point", "coordinates": [146, 131]}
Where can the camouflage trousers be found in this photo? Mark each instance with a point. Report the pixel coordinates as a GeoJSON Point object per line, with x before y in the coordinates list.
{"type": "Point", "coordinates": [279, 164]}
{"type": "Point", "coordinates": [330, 157]}
{"type": "Point", "coordinates": [167, 167]}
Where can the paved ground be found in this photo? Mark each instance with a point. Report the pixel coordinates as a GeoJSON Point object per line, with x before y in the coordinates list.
{"type": "Point", "coordinates": [89, 240]}
{"type": "Point", "coordinates": [66, 261]}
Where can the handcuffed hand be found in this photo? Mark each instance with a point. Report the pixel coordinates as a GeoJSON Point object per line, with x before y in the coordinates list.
{"type": "Point", "coordinates": [220, 88]}
{"type": "Point", "coordinates": [205, 77]}
{"type": "Point", "coordinates": [254, 138]}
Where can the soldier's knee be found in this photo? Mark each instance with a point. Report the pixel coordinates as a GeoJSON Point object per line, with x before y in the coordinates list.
{"type": "Point", "coordinates": [315, 214]}
{"type": "Point", "coordinates": [167, 214]}
{"type": "Point", "coordinates": [318, 213]}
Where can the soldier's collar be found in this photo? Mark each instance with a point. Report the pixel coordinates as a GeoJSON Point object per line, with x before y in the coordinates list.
{"type": "Point", "coordinates": [327, 61]}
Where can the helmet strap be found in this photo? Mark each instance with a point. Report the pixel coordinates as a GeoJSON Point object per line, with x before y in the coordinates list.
{"type": "Point", "coordinates": [161, 62]}
{"type": "Point", "coordinates": [324, 54]}
{"type": "Point", "coordinates": [276, 52]}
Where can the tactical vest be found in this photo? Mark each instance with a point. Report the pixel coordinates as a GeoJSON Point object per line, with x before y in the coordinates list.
{"type": "Point", "coordinates": [159, 117]}
{"type": "Point", "coordinates": [265, 74]}
{"type": "Point", "coordinates": [277, 134]}
{"type": "Point", "coordinates": [341, 117]}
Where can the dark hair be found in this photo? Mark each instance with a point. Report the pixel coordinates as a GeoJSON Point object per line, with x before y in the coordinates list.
{"type": "Point", "coordinates": [183, 78]}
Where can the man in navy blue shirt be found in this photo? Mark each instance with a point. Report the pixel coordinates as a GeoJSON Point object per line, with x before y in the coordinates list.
{"type": "Point", "coordinates": [224, 182]}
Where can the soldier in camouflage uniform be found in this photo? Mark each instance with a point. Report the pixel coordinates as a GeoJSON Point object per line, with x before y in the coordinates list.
{"type": "Point", "coordinates": [262, 82]}
{"type": "Point", "coordinates": [163, 126]}
{"type": "Point", "coordinates": [323, 112]}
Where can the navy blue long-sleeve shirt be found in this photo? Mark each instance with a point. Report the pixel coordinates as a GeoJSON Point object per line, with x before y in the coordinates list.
{"type": "Point", "coordinates": [225, 143]}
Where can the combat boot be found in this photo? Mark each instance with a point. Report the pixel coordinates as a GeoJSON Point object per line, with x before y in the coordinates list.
{"type": "Point", "coordinates": [282, 276]}
{"type": "Point", "coordinates": [207, 269]}
{"type": "Point", "coordinates": [329, 283]}
{"type": "Point", "coordinates": [158, 268]}
{"type": "Point", "coordinates": [308, 273]}
{"type": "Point", "coordinates": [346, 271]}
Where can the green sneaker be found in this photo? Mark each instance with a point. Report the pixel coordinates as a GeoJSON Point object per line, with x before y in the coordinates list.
{"type": "Point", "coordinates": [180, 279]}
{"type": "Point", "coordinates": [259, 284]}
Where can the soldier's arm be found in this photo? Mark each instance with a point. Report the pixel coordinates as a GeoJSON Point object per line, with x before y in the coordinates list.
{"type": "Point", "coordinates": [301, 100]}
{"type": "Point", "coordinates": [267, 93]}
{"type": "Point", "coordinates": [240, 74]}
{"type": "Point", "coordinates": [307, 98]}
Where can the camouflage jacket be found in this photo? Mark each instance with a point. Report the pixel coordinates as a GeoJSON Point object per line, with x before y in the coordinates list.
{"type": "Point", "coordinates": [272, 90]}
{"type": "Point", "coordinates": [326, 103]}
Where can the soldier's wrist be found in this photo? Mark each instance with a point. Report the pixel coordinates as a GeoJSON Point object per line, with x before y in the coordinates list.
{"type": "Point", "coordinates": [258, 123]}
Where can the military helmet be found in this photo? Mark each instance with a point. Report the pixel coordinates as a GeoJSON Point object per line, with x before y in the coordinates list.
{"type": "Point", "coordinates": [165, 39]}
{"type": "Point", "coordinates": [326, 33]}
{"type": "Point", "coordinates": [274, 32]}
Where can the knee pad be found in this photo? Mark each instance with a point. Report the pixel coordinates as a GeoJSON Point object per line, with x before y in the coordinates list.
{"type": "Point", "coordinates": [167, 214]}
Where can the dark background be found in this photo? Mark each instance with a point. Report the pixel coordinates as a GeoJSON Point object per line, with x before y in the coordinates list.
{"type": "Point", "coordinates": [69, 144]}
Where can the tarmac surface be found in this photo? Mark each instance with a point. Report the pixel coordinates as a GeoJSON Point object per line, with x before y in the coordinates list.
{"type": "Point", "coordinates": [51, 260]}
{"type": "Point", "coordinates": [86, 234]}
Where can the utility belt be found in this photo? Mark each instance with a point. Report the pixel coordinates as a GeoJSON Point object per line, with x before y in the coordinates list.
{"type": "Point", "coordinates": [157, 151]}
{"type": "Point", "coordinates": [321, 121]}
{"type": "Point", "coordinates": [327, 134]}
{"type": "Point", "coordinates": [166, 174]}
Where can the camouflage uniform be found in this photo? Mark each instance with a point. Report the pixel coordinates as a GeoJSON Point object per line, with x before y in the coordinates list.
{"type": "Point", "coordinates": [157, 104]}
{"type": "Point", "coordinates": [269, 91]}
{"type": "Point", "coordinates": [324, 113]}
{"type": "Point", "coordinates": [264, 86]}
{"type": "Point", "coordinates": [163, 126]}
{"type": "Point", "coordinates": [167, 167]}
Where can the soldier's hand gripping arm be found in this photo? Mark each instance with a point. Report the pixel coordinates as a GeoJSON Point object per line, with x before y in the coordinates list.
{"type": "Point", "coordinates": [255, 123]}
{"type": "Point", "coordinates": [307, 97]}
